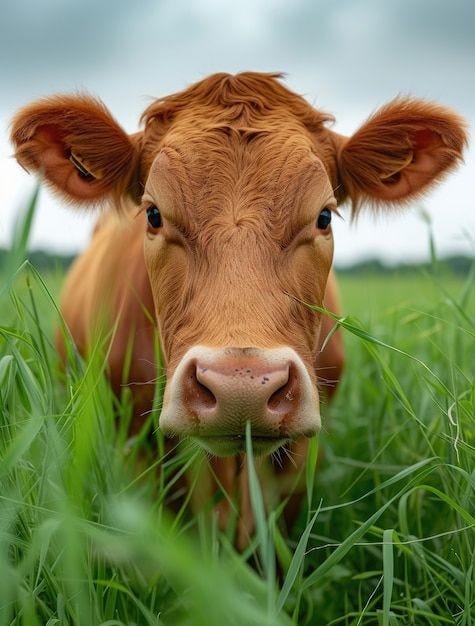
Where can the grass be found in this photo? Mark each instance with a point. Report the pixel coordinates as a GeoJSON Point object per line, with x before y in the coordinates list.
{"type": "Point", "coordinates": [386, 535]}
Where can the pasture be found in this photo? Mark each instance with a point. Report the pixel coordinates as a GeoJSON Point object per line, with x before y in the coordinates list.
{"type": "Point", "coordinates": [386, 535]}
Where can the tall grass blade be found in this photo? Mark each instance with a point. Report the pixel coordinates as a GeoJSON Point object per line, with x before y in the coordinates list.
{"type": "Point", "coordinates": [266, 548]}
{"type": "Point", "coordinates": [296, 564]}
{"type": "Point", "coordinates": [388, 572]}
{"type": "Point", "coordinates": [21, 236]}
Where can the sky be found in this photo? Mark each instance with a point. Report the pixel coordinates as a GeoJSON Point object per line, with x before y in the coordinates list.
{"type": "Point", "coordinates": [347, 57]}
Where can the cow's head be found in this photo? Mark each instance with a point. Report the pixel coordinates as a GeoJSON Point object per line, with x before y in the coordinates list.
{"type": "Point", "coordinates": [238, 180]}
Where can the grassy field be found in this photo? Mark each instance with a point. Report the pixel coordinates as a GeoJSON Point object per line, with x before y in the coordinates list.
{"type": "Point", "coordinates": [386, 535]}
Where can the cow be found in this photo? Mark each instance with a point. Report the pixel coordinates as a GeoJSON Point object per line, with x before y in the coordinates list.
{"type": "Point", "coordinates": [217, 232]}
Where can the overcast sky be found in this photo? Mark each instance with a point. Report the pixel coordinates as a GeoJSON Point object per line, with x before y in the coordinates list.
{"type": "Point", "coordinates": [346, 56]}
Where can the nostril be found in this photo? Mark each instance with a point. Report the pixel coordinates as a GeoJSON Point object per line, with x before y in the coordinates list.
{"type": "Point", "coordinates": [281, 400]}
{"type": "Point", "coordinates": [204, 397]}
{"type": "Point", "coordinates": [284, 399]}
{"type": "Point", "coordinates": [198, 396]}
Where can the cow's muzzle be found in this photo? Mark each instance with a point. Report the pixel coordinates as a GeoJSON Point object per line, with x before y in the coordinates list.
{"type": "Point", "coordinates": [215, 391]}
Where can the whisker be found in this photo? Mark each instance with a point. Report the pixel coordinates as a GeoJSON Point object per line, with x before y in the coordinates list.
{"type": "Point", "coordinates": [148, 362]}
{"type": "Point", "coordinates": [137, 383]}
{"type": "Point", "coordinates": [288, 453]}
{"type": "Point", "coordinates": [277, 458]}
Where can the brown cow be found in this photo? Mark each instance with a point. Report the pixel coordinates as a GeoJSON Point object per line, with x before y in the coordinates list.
{"type": "Point", "coordinates": [237, 180]}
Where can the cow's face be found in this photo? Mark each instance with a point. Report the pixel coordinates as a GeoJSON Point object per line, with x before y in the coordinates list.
{"type": "Point", "coordinates": [238, 180]}
{"type": "Point", "coordinates": [238, 238]}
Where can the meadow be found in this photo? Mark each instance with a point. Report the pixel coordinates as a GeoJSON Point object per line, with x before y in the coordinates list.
{"type": "Point", "coordinates": [386, 533]}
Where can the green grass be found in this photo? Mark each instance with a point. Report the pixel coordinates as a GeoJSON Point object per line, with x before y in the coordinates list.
{"type": "Point", "coordinates": [386, 535]}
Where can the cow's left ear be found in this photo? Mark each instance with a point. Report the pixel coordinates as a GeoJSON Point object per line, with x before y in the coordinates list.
{"type": "Point", "coordinates": [400, 151]}
{"type": "Point", "coordinates": [78, 146]}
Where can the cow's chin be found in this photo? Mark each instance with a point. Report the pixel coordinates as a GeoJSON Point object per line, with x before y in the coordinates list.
{"type": "Point", "coordinates": [235, 444]}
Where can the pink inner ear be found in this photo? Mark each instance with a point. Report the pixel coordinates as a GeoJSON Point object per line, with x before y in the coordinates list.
{"type": "Point", "coordinates": [422, 138]}
{"type": "Point", "coordinates": [424, 165]}
{"type": "Point", "coordinates": [54, 160]}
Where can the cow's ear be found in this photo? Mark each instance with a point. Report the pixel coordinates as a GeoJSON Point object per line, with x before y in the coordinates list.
{"type": "Point", "coordinates": [400, 151]}
{"type": "Point", "coordinates": [78, 146]}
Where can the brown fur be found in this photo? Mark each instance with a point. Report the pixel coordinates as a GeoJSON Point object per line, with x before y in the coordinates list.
{"type": "Point", "coordinates": [240, 168]}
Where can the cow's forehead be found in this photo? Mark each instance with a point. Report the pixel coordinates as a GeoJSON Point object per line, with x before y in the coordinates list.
{"type": "Point", "coordinates": [247, 153]}
{"type": "Point", "coordinates": [269, 157]}
{"type": "Point", "coordinates": [269, 182]}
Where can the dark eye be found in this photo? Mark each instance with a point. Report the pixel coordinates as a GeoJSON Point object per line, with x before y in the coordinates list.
{"type": "Point", "coordinates": [154, 217]}
{"type": "Point", "coordinates": [324, 219]}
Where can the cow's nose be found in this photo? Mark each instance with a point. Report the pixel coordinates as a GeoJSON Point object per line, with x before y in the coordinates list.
{"type": "Point", "coordinates": [236, 389]}
{"type": "Point", "coordinates": [215, 391]}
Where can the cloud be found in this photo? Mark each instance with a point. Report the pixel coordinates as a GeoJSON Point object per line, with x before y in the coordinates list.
{"type": "Point", "coordinates": [353, 50]}
{"type": "Point", "coordinates": [362, 49]}
{"type": "Point", "coordinates": [60, 34]}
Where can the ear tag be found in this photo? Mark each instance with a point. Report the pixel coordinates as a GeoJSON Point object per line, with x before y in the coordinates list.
{"type": "Point", "coordinates": [408, 161]}
{"type": "Point", "coordinates": [84, 171]}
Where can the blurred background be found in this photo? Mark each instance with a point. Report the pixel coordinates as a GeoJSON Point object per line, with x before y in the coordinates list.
{"type": "Point", "coordinates": [347, 57]}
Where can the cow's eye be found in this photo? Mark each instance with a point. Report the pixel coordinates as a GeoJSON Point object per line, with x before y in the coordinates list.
{"type": "Point", "coordinates": [154, 217]}
{"type": "Point", "coordinates": [324, 219]}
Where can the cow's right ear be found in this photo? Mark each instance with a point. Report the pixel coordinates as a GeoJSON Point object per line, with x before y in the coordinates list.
{"type": "Point", "coordinates": [78, 146]}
